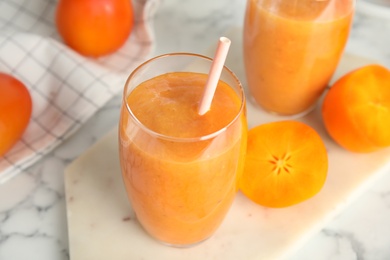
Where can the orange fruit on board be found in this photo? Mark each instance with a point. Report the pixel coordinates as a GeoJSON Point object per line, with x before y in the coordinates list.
{"type": "Point", "coordinates": [15, 111]}
{"type": "Point", "coordinates": [94, 27]}
{"type": "Point", "coordinates": [356, 109]}
{"type": "Point", "coordinates": [286, 163]}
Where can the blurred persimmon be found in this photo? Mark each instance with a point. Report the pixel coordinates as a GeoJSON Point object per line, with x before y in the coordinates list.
{"type": "Point", "coordinates": [15, 111]}
{"type": "Point", "coordinates": [356, 110]}
{"type": "Point", "coordinates": [286, 163]}
{"type": "Point", "coordinates": [94, 27]}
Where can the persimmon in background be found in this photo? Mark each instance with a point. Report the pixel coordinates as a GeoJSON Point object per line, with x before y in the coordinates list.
{"type": "Point", "coordinates": [94, 27]}
{"type": "Point", "coordinates": [286, 163]}
{"type": "Point", "coordinates": [356, 110]}
{"type": "Point", "coordinates": [15, 111]}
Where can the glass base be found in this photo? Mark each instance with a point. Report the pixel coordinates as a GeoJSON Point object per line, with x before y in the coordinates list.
{"type": "Point", "coordinates": [282, 116]}
{"type": "Point", "coordinates": [294, 116]}
{"type": "Point", "coordinates": [166, 243]}
{"type": "Point", "coordinates": [182, 245]}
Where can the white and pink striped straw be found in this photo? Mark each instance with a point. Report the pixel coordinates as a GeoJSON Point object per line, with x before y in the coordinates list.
{"type": "Point", "coordinates": [214, 74]}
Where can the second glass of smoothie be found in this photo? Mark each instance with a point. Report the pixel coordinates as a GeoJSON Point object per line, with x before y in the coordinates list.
{"type": "Point", "coordinates": [292, 49]}
{"type": "Point", "coordinates": [180, 169]}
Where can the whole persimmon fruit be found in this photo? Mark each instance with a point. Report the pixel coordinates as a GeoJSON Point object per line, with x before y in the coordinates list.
{"type": "Point", "coordinates": [94, 27]}
{"type": "Point", "coordinates": [356, 109]}
{"type": "Point", "coordinates": [286, 163]}
{"type": "Point", "coordinates": [15, 111]}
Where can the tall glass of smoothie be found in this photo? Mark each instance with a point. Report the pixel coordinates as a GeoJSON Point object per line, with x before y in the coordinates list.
{"type": "Point", "coordinates": [292, 49]}
{"type": "Point", "coordinates": [180, 169]}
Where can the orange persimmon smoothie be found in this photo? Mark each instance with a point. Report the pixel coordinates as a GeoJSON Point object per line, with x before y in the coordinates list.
{"type": "Point", "coordinates": [292, 49]}
{"type": "Point", "coordinates": [180, 169]}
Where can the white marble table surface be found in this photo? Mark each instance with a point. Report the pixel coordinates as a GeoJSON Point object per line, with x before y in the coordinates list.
{"type": "Point", "coordinates": [32, 206]}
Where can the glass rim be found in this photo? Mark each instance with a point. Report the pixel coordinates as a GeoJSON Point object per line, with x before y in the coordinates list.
{"type": "Point", "coordinates": [175, 138]}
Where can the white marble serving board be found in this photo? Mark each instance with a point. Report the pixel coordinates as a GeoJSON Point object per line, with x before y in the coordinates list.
{"type": "Point", "coordinates": [102, 225]}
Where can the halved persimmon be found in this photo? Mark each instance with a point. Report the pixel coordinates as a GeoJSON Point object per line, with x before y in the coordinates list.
{"type": "Point", "coordinates": [356, 109]}
{"type": "Point", "coordinates": [286, 163]}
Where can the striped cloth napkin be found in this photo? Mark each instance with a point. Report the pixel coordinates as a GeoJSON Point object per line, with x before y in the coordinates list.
{"type": "Point", "coordinates": [66, 88]}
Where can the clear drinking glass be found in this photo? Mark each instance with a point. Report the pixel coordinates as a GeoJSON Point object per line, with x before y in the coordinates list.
{"type": "Point", "coordinates": [180, 169]}
{"type": "Point", "coordinates": [292, 49]}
